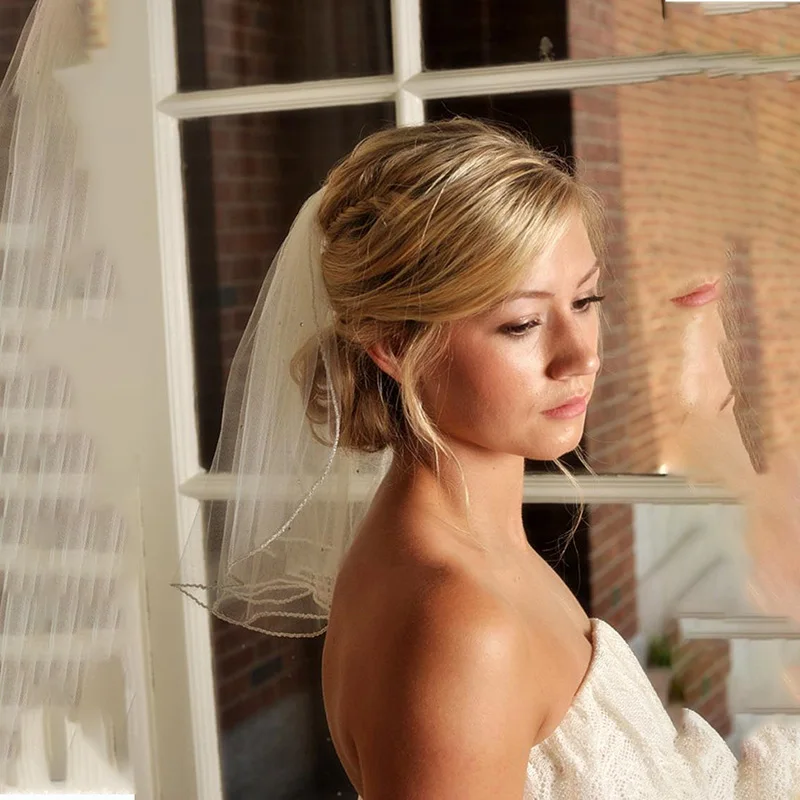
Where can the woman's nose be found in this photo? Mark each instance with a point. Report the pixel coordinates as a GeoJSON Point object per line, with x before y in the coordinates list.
{"type": "Point", "coordinates": [575, 352]}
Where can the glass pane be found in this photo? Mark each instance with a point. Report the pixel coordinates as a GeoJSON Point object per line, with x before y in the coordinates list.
{"type": "Point", "coordinates": [12, 20]}
{"type": "Point", "coordinates": [246, 178]}
{"type": "Point", "coordinates": [700, 180]}
{"type": "Point", "coordinates": [473, 33]}
{"type": "Point", "coordinates": [244, 43]}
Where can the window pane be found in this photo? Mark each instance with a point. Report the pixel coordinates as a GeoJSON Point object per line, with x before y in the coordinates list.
{"type": "Point", "coordinates": [228, 43]}
{"type": "Point", "coordinates": [545, 117]}
{"type": "Point", "coordinates": [471, 33]}
{"type": "Point", "coordinates": [246, 178]}
{"type": "Point", "coordinates": [12, 20]}
{"type": "Point", "coordinates": [699, 177]}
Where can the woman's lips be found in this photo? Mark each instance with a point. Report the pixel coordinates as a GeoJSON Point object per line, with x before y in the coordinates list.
{"type": "Point", "coordinates": [701, 296]}
{"type": "Point", "coordinates": [572, 408]}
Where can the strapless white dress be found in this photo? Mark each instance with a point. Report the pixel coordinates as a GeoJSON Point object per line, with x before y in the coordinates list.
{"type": "Point", "coordinates": [617, 741]}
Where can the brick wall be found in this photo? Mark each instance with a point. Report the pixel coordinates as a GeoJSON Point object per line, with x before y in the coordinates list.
{"type": "Point", "coordinates": [701, 668]}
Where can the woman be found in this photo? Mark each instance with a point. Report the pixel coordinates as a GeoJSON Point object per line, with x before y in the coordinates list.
{"type": "Point", "coordinates": [444, 286]}
{"type": "Point", "coordinates": [476, 647]}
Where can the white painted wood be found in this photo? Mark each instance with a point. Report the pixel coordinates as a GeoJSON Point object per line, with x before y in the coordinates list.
{"type": "Point", "coordinates": [716, 607]}
{"type": "Point", "coordinates": [406, 38]}
{"type": "Point", "coordinates": [413, 88]}
{"type": "Point", "coordinates": [278, 97]}
{"type": "Point", "coordinates": [69, 796]}
{"type": "Point", "coordinates": [578, 74]}
{"type": "Point", "coordinates": [540, 489]}
{"type": "Point", "coordinates": [736, 8]}
{"type": "Point", "coordinates": [407, 52]}
{"type": "Point", "coordinates": [169, 196]}
{"type": "Point", "coordinates": [710, 626]}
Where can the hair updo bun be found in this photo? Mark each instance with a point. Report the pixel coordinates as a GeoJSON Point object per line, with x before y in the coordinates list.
{"type": "Point", "coordinates": [423, 226]}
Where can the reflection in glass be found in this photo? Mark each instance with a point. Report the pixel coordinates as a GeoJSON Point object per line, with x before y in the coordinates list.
{"type": "Point", "coordinates": [12, 21]}
{"type": "Point", "coordinates": [473, 33]}
{"type": "Point", "coordinates": [246, 178]}
{"type": "Point", "coordinates": [224, 44]}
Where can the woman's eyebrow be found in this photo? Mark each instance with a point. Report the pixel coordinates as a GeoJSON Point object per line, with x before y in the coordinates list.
{"type": "Point", "coordinates": [534, 293]}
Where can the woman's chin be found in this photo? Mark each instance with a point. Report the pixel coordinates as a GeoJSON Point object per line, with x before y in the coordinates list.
{"type": "Point", "coordinates": [553, 452]}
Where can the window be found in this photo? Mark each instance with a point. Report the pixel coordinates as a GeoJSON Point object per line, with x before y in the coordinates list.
{"type": "Point", "coordinates": [686, 124]}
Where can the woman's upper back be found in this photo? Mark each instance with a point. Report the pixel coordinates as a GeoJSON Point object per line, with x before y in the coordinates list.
{"type": "Point", "coordinates": [445, 664]}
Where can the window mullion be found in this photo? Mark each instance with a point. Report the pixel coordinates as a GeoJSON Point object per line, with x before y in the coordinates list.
{"type": "Point", "coordinates": [579, 74]}
{"type": "Point", "coordinates": [407, 49]}
{"type": "Point", "coordinates": [279, 97]}
{"type": "Point", "coordinates": [538, 488]}
{"type": "Point", "coordinates": [409, 89]}
{"type": "Point", "coordinates": [181, 379]}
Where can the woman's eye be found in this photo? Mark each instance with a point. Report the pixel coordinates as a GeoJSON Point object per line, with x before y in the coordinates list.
{"type": "Point", "coordinates": [522, 329]}
{"type": "Point", "coordinates": [585, 302]}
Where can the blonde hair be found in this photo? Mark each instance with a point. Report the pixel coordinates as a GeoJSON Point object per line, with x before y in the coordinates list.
{"type": "Point", "coordinates": [424, 226]}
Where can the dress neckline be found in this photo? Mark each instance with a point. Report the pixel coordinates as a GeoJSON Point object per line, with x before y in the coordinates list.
{"type": "Point", "coordinates": [597, 634]}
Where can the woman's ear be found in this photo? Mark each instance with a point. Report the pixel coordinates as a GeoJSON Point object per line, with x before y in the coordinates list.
{"type": "Point", "coordinates": [384, 359]}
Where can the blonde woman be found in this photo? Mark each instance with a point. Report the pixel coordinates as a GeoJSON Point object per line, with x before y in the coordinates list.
{"type": "Point", "coordinates": [437, 303]}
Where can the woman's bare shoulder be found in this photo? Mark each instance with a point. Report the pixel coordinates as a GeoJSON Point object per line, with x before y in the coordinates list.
{"type": "Point", "coordinates": [448, 672]}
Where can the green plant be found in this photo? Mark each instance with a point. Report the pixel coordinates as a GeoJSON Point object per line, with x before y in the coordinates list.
{"type": "Point", "coordinates": [659, 652]}
{"type": "Point", "coordinates": [676, 692]}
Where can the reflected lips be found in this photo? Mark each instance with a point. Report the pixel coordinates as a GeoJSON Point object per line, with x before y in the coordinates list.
{"type": "Point", "coordinates": [701, 296]}
{"type": "Point", "coordinates": [572, 408]}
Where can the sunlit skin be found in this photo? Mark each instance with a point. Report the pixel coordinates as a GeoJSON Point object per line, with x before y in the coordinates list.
{"type": "Point", "coordinates": [448, 633]}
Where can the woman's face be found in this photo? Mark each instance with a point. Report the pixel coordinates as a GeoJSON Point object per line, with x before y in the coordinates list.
{"type": "Point", "coordinates": [518, 377]}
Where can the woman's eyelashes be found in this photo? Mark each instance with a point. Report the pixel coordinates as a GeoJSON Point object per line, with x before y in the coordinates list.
{"type": "Point", "coordinates": [581, 306]}
{"type": "Point", "coordinates": [586, 302]}
{"type": "Point", "coordinates": [522, 328]}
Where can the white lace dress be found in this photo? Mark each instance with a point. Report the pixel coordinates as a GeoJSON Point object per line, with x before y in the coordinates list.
{"type": "Point", "coordinates": [617, 741]}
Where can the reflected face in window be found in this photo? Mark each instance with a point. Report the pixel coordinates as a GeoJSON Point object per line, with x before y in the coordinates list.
{"type": "Point", "coordinates": [703, 389]}
{"type": "Point", "coordinates": [674, 334]}
{"type": "Point", "coordinates": [518, 377]}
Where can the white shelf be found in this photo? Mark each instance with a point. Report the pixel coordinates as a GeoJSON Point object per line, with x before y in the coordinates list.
{"type": "Point", "coordinates": [544, 488]}
{"type": "Point", "coordinates": [21, 319]}
{"type": "Point", "coordinates": [23, 420]}
{"type": "Point", "coordinates": [80, 563]}
{"type": "Point", "coordinates": [717, 608]}
{"type": "Point", "coordinates": [59, 647]}
{"type": "Point", "coordinates": [45, 485]}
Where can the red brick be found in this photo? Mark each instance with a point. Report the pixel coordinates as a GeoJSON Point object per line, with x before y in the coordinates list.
{"type": "Point", "coordinates": [230, 664]}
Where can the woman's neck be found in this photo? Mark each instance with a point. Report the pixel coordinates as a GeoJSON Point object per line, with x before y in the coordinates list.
{"type": "Point", "coordinates": [479, 492]}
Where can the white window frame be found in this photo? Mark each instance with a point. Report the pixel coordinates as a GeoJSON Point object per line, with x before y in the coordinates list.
{"type": "Point", "coordinates": [408, 87]}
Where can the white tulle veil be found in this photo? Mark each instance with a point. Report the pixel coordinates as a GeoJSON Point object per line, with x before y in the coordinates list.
{"type": "Point", "coordinates": [294, 497]}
